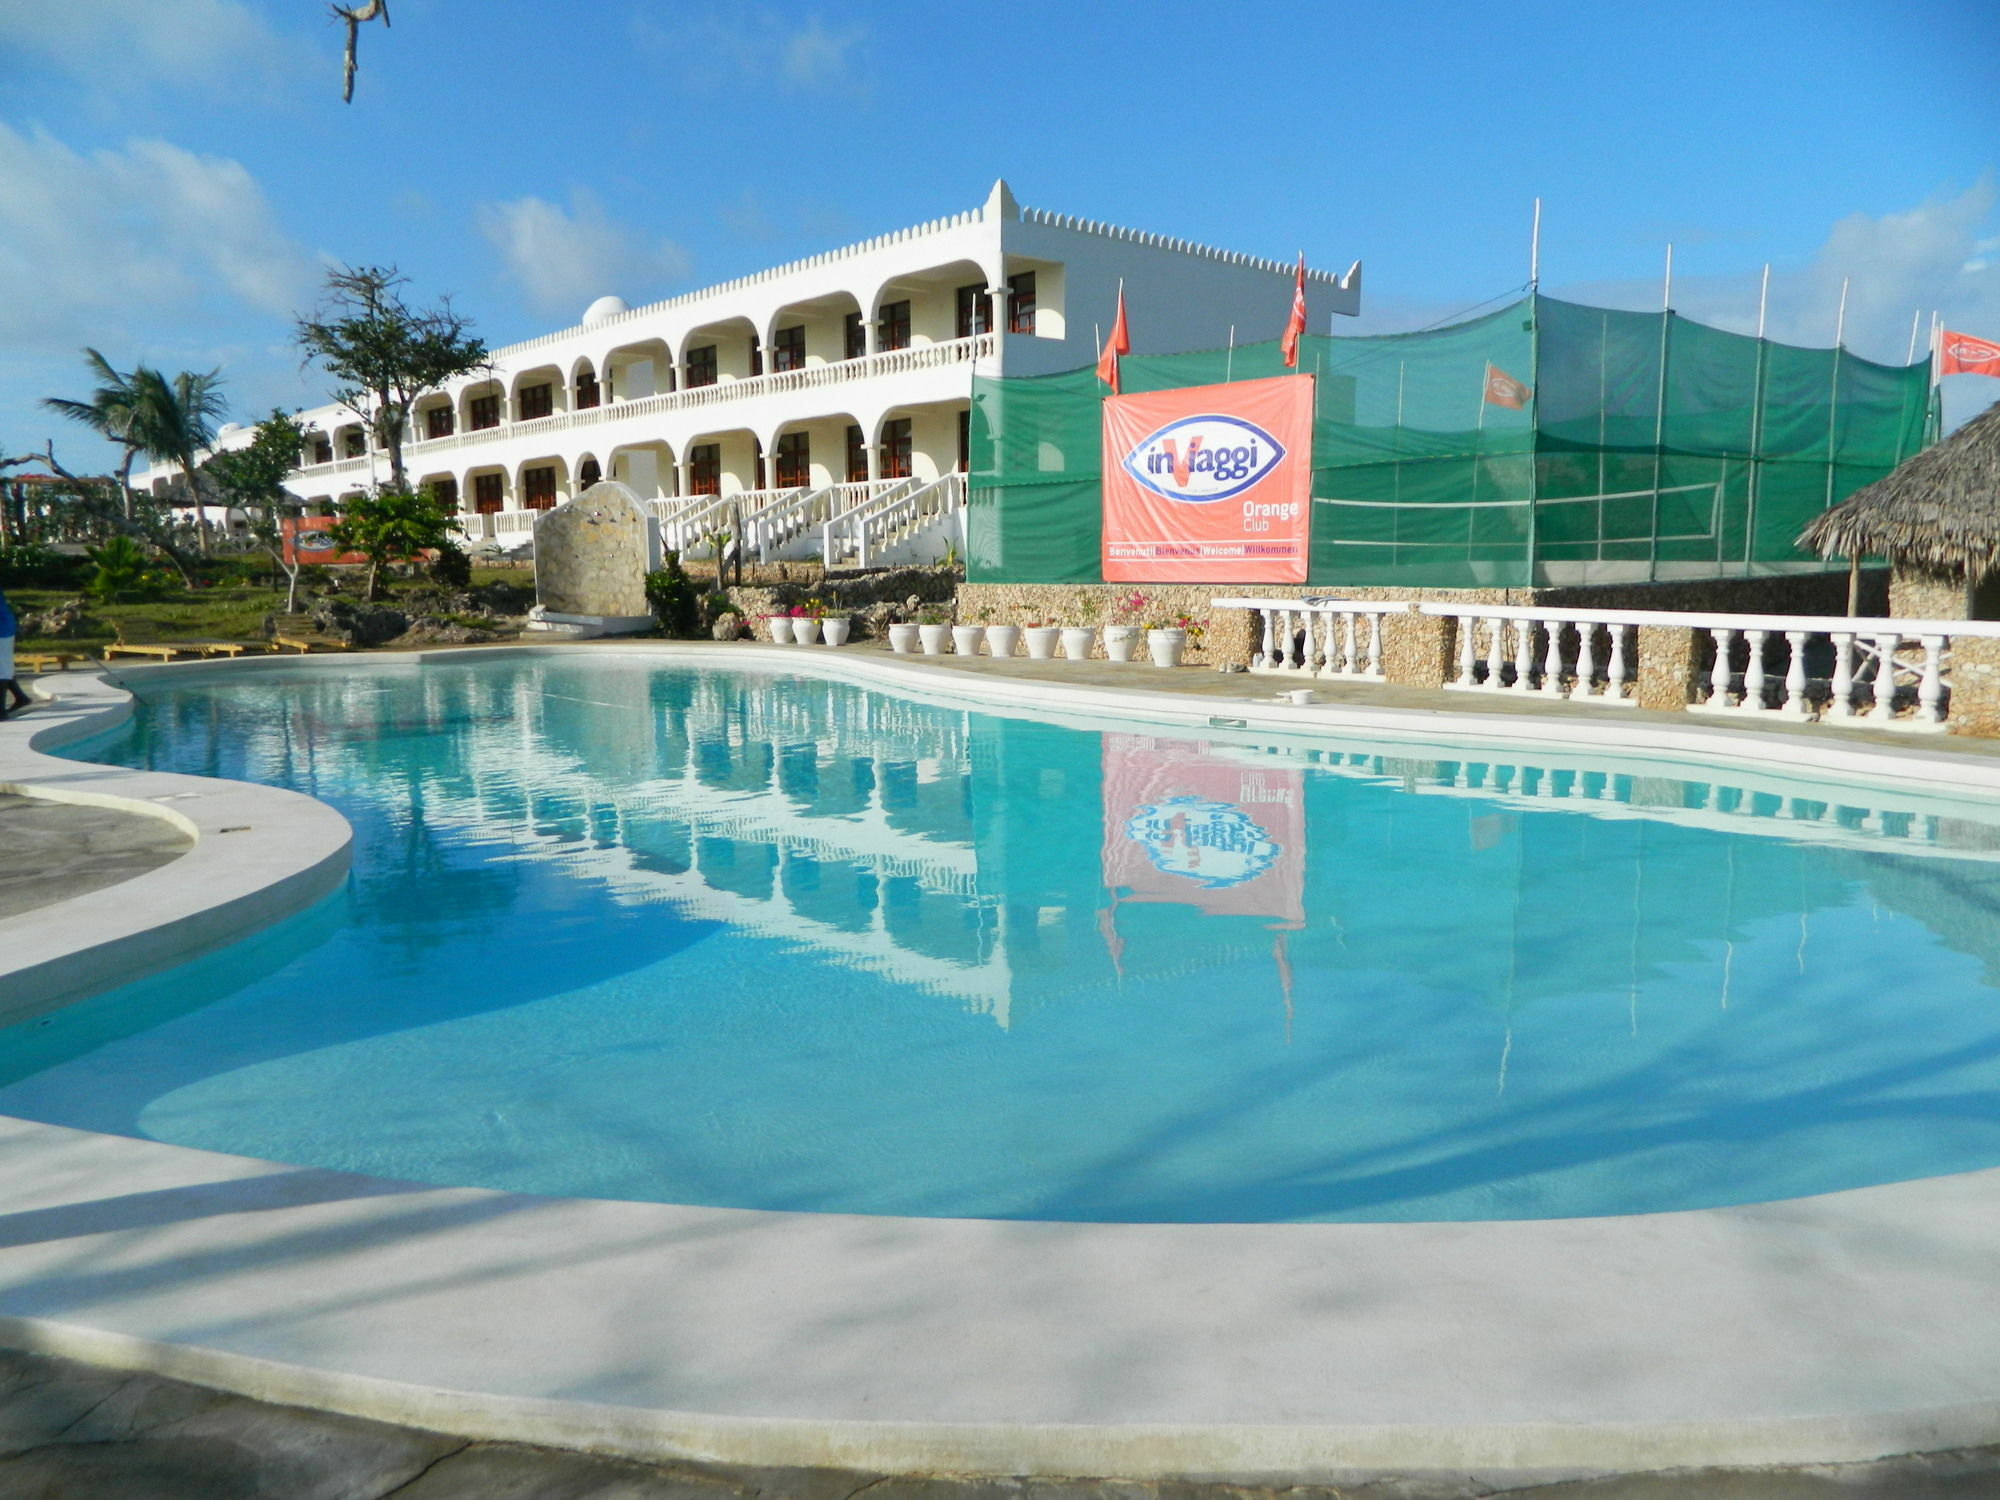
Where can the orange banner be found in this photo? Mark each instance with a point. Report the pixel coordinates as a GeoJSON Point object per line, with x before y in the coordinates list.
{"type": "Point", "coordinates": [307, 542]}
{"type": "Point", "coordinates": [1962, 354]}
{"type": "Point", "coordinates": [1209, 484]}
{"type": "Point", "coordinates": [1181, 825]}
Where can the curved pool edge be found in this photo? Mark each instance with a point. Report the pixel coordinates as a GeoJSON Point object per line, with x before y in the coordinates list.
{"type": "Point", "coordinates": [1839, 1328]}
{"type": "Point", "coordinates": [259, 854]}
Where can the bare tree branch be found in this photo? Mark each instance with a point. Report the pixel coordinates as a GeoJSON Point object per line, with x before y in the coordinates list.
{"type": "Point", "coordinates": [353, 16]}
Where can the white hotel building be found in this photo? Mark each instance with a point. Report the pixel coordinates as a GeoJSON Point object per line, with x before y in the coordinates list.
{"type": "Point", "coordinates": [826, 401]}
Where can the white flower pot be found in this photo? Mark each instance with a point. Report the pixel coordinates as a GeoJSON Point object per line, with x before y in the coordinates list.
{"type": "Point", "coordinates": [965, 639]}
{"type": "Point", "coordinates": [1001, 639]}
{"type": "Point", "coordinates": [805, 632]}
{"type": "Point", "coordinates": [1121, 641]}
{"type": "Point", "coordinates": [781, 629]}
{"type": "Point", "coordinates": [933, 637]}
{"type": "Point", "coordinates": [1041, 641]}
{"type": "Point", "coordinates": [1166, 646]}
{"type": "Point", "coordinates": [1077, 641]}
{"type": "Point", "coordinates": [833, 630]}
{"type": "Point", "coordinates": [903, 638]}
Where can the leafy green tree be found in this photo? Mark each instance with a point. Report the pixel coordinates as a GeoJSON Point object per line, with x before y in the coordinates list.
{"type": "Point", "coordinates": [107, 411]}
{"type": "Point", "coordinates": [252, 479]}
{"type": "Point", "coordinates": [121, 570]}
{"type": "Point", "coordinates": [386, 353]}
{"type": "Point", "coordinates": [392, 526]}
{"type": "Point", "coordinates": [173, 420]}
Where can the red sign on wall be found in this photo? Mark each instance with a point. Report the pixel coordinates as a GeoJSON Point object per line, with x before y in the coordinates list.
{"type": "Point", "coordinates": [307, 542]}
{"type": "Point", "coordinates": [1209, 484]}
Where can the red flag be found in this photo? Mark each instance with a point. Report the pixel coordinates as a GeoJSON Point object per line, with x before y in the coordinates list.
{"type": "Point", "coordinates": [1962, 354]}
{"type": "Point", "coordinates": [1119, 343]}
{"type": "Point", "coordinates": [1503, 389]}
{"type": "Point", "coordinates": [1296, 323]}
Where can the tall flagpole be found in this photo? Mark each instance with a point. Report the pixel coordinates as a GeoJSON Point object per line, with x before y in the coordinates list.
{"type": "Point", "coordinates": [1660, 416]}
{"type": "Point", "coordinates": [1833, 418]}
{"type": "Point", "coordinates": [1229, 366]}
{"type": "Point", "coordinates": [1915, 318]}
{"type": "Point", "coordinates": [1755, 482]}
{"type": "Point", "coordinates": [1535, 250]}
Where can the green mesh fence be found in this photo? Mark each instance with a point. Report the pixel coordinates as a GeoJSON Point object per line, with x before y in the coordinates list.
{"type": "Point", "coordinates": [1651, 447]}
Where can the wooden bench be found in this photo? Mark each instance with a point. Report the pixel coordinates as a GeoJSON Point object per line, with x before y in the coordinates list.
{"type": "Point", "coordinates": [138, 637]}
{"type": "Point", "coordinates": [303, 634]}
{"type": "Point", "coordinates": [43, 661]}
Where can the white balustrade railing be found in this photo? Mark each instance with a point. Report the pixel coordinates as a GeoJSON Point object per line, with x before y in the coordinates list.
{"type": "Point", "coordinates": [812, 377]}
{"type": "Point", "coordinates": [1832, 669]}
{"type": "Point", "coordinates": [1318, 637]}
{"type": "Point", "coordinates": [1529, 650]}
{"type": "Point", "coordinates": [859, 536]}
{"type": "Point", "coordinates": [691, 526]}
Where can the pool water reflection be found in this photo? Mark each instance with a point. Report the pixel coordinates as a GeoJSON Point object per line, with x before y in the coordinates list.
{"type": "Point", "coordinates": [624, 930]}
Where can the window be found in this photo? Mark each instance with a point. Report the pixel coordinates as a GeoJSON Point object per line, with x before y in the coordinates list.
{"type": "Point", "coordinates": [1021, 303]}
{"type": "Point", "coordinates": [975, 311]}
{"type": "Point", "coordinates": [587, 393]}
{"type": "Point", "coordinates": [788, 348]}
{"type": "Point", "coordinates": [485, 412]}
{"type": "Point", "coordinates": [893, 332]}
{"type": "Point", "coordinates": [537, 401]}
{"type": "Point", "coordinates": [855, 337]}
{"type": "Point", "coordinates": [794, 460]}
{"type": "Point", "coordinates": [355, 441]}
{"type": "Point", "coordinates": [538, 488]}
{"type": "Point", "coordinates": [705, 467]}
{"type": "Point", "coordinates": [756, 357]}
{"type": "Point", "coordinates": [588, 473]}
{"type": "Point", "coordinates": [322, 449]}
{"type": "Point", "coordinates": [896, 449]}
{"type": "Point", "coordinates": [446, 491]}
{"type": "Point", "coordinates": [857, 456]}
{"type": "Point", "coordinates": [488, 493]}
{"type": "Point", "coordinates": [437, 422]}
{"type": "Point", "coordinates": [701, 366]}
{"type": "Point", "coordinates": [964, 440]}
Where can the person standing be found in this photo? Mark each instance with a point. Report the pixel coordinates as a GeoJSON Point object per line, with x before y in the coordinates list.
{"type": "Point", "coordinates": [11, 696]}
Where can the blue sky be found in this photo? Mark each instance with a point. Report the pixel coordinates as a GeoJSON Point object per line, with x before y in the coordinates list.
{"type": "Point", "coordinates": [173, 178]}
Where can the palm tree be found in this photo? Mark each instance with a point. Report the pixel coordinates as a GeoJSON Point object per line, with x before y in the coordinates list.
{"type": "Point", "coordinates": [173, 421]}
{"type": "Point", "coordinates": [108, 413]}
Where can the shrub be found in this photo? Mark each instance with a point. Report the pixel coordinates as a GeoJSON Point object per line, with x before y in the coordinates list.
{"type": "Point", "coordinates": [671, 594]}
{"type": "Point", "coordinates": [31, 565]}
{"type": "Point", "coordinates": [121, 570]}
{"type": "Point", "coordinates": [452, 567]}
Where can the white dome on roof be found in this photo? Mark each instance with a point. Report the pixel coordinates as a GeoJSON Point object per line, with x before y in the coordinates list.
{"type": "Point", "coordinates": [603, 310]}
{"type": "Point", "coordinates": [228, 427]}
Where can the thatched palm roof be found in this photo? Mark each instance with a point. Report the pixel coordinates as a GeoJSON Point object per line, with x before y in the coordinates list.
{"type": "Point", "coordinates": [1939, 510]}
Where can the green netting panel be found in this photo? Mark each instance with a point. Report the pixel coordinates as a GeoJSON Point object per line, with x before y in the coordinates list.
{"type": "Point", "coordinates": [1653, 446]}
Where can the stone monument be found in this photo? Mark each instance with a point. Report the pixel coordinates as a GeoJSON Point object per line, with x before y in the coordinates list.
{"type": "Point", "coordinates": [592, 555]}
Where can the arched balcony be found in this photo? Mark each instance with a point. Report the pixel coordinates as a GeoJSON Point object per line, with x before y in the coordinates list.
{"type": "Point", "coordinates": [822, 331]}
{"type": "Point", "coordinates": [721, 351]}
{"type": "Point", "coordinates": [539, 392]}
{"type": "Point", "coordinates": [649, 470]}
{"type": "Point", "coordinates": [479, 406]}
{"type": "Point", "coordinates": [642, 368]}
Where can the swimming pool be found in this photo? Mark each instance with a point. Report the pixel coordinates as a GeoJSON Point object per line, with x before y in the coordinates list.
{"type": "Point", "coordinates": [625, 930]}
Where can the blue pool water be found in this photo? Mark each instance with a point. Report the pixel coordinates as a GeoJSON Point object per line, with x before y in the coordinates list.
{"type": "Point", "coordinates": [623, 930]}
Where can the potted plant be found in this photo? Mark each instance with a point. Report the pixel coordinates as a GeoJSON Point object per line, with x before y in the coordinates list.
{"type": "Point", "coordinates": [1041, 636]}
{"type": "Point", "coordinates": [834, 626]}
{"type": "Point", "coordinates": [1077, 640]}
{"type": "Point", "coordinates": [1168, 637]}
{"type": "Point", "coordinates": [805, 623]}
{"type": "Point", "coordinates": [933, 627]}
{"type": "Point", "coordinates": [780, 626]}
{"type": "Point", "coordinates": [1123, 630]}
{"type": "Point", "coordinates": [965, 638]}
{"type": "Point", "coordinates": [903, 637]}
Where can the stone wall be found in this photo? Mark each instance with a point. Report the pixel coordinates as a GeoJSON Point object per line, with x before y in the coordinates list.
{"type": "Point", "coordinates": [1975, 688]}
{"type": "Point", "coordinates": [591, 555]}
{"type": "Point", "coordinates": [1920, 594]}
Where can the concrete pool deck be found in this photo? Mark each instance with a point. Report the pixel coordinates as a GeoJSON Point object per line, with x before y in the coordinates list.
{"type": "Point", "coordinates": [1838, 1328]}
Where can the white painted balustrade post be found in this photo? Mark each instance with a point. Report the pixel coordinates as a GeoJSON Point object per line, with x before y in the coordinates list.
{"type": "Point", "coordinates": [1753, 672]}
{"type": "Point", "coordinates": [1586, 658]}
{"type": "Point", "coordinates": [1350, 661]}
{"type": "Point", "coordinates": [1885, 677]}
{"type": "Point", "coordinates": [1615, 670]}
{"type": "Point", "coordinates": [1496, 656]}
{"type": "Point", "coordinates": [1288, 641]}
{"type": "Point", "coordinates": [1267, 653]}
{"type": "Point", "coordinates": [1552, 662]}
{"type": "Point", "coordinates": [1718, 677]}
{"type": "Point", "coordinates": [1795, 675]}
{"type": "Point", "coordinates": [1374, 646]}
{"type": "Point", "coordinates": [1468, 651]}
{"type": "Point", "coordinates": [1524, 653]}
{"type": "Point", "coordinates": [1842, 704]}
{"type": "Point", "coordinates": [1930, 688]}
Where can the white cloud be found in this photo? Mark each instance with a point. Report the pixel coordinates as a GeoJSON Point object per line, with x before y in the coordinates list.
{"type": "Point", "coordinates": [564, 259]}
{"type": "Point", "coordinates": [94, 244]}
{"type": "Point", "coordinates": [736, 41]}
{"type": "Point", "coordinates": [185, 43]}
